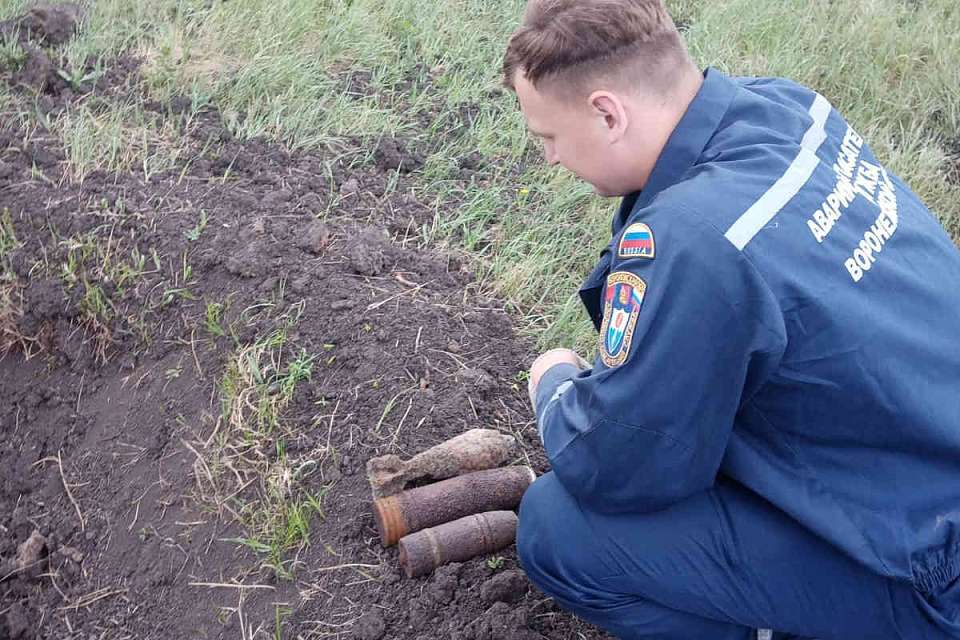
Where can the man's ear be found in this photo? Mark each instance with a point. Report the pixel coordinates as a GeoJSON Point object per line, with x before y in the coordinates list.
{"type": "Point", "coordinates": [608, 106]}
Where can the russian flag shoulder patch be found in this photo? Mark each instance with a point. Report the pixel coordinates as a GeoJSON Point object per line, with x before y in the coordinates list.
{"type": "Point", "coordinates": [637, 242]}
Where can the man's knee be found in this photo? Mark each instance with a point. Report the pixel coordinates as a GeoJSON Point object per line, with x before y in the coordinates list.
{"type": "Point", "coordinates": [563, 554]}
{"type": "Point", "coordinates": [554, 544]}
{"type": "Point", "coordinates": [535, 527]}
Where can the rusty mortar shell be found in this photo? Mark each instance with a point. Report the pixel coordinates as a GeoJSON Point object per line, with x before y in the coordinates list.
{"type": "Point", "coordinates": [457, 541]}
{"type": "Point", "coordinates": [433, 504]}
{"type": "Point", "coordinates": [473, 450]}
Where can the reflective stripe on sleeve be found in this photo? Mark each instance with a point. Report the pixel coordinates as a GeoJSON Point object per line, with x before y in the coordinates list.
{"type": "Point", "coordinates": [556, 396]}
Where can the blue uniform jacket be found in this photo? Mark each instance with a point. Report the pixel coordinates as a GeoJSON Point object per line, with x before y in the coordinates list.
{"type": "Point", "coordinates": [778, 307]}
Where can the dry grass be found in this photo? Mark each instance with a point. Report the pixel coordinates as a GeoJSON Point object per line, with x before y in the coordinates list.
{"type": "Point", "coordinates": [11, 311]}
{"type": "Point", "coordinates": [242, 467]}
{"type": "Point", "coordinates": [11, 295]}
{"type": "Point", "coordinates": [116, 137]}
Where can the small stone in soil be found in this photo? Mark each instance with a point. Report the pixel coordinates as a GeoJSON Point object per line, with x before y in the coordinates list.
{"type": "Point", "coordinates": [366, 252]}
{"type": "Point", "coordinates": [341, 305]}
{"type": "Point", "coordinates": [300, 285]}
{"type": "Point", "coordinates": [315, 238]}
{"type": "Point", "coordinates": [444, 584]}
{"type": "Point", "coordinates": [312, 202]}
{"type": "Point", "coordinates": [30, 555]}
{"type": "Point", "coordinates": [508, 586]}
{"type": "Point", "coordinates": [370, 626]}
{"type": "Point", "coordinates": [71, 553]}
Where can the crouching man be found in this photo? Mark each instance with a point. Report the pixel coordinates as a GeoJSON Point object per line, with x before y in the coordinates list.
{"type": "Point", "coordinates": [768, 444]}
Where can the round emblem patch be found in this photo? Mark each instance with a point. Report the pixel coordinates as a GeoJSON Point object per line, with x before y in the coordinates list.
{"type": "Point", "coordinates": [621, 308]}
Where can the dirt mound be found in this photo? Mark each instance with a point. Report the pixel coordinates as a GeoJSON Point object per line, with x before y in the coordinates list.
{"type": "Point", "coordinates": [42, 69]}
{"type": "Point", "coordinates": [50, 25]}
{"type": "Point", "coordinates": [199, 367]}
{"type": "Point", "coordinates": [42, 26]}
{"type": "Point", "coordinates": [392, 155]}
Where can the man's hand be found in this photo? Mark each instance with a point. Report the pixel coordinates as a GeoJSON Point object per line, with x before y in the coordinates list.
{"type": "Point", "coordinates": [547, 360]}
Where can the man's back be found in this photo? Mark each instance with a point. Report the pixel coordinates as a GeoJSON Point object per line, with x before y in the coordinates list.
{"type": "Point", "coordinates": [856, 431]}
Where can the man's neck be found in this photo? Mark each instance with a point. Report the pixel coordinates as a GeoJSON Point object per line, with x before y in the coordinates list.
{"type": "Point", "coordinates": [680, 100]}
{"type": "Point", "coordinates": [672, 110]}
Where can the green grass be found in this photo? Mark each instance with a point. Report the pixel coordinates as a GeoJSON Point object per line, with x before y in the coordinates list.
{"type": "Point", "coordinates": [10, 307]}
{"type": "Point", "coordinates": [12, 55]}
{"type": "Point", "coordinates": [115, 137]}
{"type": "Point", "coordinates": [247, 471]}
{"type": "Point", "coordinates": [8, 236]}
{"type": "Point", "coordinates": [428, 70]}
{"type": "Point", "coordinates": [213, 319]}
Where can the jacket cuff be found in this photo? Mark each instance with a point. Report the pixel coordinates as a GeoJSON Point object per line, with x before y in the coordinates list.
{"type": "Point", "coordinates": [553, 383]}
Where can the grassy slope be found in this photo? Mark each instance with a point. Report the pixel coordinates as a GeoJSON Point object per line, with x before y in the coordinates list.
{"type": "Point", "coordinates": [281, 68]}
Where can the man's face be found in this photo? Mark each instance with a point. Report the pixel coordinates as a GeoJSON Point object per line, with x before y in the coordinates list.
{"type": "Point", "coordinates": [572, 135]}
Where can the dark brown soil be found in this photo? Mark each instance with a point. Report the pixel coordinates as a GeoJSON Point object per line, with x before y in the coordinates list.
{"type": "Point", "coordinates": [112, 385]}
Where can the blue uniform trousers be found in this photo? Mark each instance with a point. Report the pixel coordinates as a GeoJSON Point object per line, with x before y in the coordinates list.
{"type": "Point", "coordinates": [717, 566]}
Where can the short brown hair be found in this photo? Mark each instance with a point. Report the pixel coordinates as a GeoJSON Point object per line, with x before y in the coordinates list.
{"type": "Point", "coordinates": [575, 40]}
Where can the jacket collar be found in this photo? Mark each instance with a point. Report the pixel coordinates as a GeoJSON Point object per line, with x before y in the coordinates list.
{"type": "Point", "coordinates": [686, 143]}
{"type": "Point", "coordinates": [679, 155]}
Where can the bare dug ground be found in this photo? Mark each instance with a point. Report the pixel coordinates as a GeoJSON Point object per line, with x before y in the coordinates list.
{"type": "Point", "coordinates": [198, 361]}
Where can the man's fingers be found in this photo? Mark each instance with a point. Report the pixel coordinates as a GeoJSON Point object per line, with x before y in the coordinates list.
{"type": "Point", "coordinates": [549, 359]}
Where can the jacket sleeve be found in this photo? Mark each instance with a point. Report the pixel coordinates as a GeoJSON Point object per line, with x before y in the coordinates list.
{"type": "Point", "coordinates": [651, 429]}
